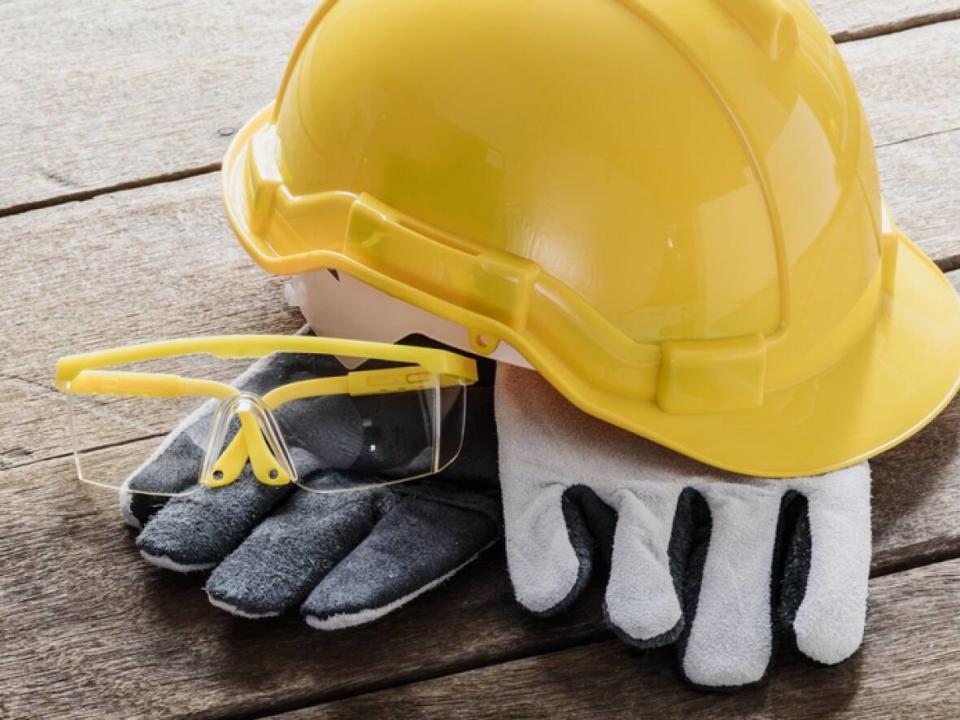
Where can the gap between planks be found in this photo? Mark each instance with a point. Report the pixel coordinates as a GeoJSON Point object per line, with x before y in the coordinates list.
{"type": "Point", "coordinates": [872, 31]}
{"type": "Point", "coordinates": [83, 195]}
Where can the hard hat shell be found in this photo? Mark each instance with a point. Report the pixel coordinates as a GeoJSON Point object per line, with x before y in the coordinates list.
{"type": "Point", "coordinates": [671, 210]}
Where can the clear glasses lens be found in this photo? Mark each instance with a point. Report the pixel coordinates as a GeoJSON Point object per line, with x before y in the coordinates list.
{"type": "Point", "coordinates": [376, 439]}
{"type": "Point", "coordinates": [113, 438]}
{"type": "Point", "coordinates": [341, 434]}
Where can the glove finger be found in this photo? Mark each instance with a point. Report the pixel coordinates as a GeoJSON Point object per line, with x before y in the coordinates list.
{"type": "Point", "coordinates": [288, 553]}
{"type": "Point", "coordinates": [823, 599]}
{"type": "Point", "coordinates": [196, 531]}
{"type": "Point", "coordinates": [547, 556]}
{"type": "Point", "coordinates": [413, 548]}
{"type": "Point", "coordinates": [547, 570]}
{"type": "Point", "coordinates": [727, 641]}
{"type": "Point", "coordinates": [641, 604]}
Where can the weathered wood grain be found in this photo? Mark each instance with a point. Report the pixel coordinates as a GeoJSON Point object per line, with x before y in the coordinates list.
{"type": "Point", "coordinates": [97, 94]}
{"type": "Point", "coordinates": [153, 263]}
{"type": "Point", "coordinates": [916, 496]}
{"type": "Point", "coordinates": [921, 182]}
{"type": "Point", "coordinates": [104, 95]}
{"type": "Point", "coordinates": [908, 667]}
{"type": "Point", "coordinates": [850, 19]}
{"type": "Point", "coordinates": [908, 81]}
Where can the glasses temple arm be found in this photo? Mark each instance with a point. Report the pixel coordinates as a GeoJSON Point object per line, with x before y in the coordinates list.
{"type": "Point", "coordinates": [363, 382]}
{"type": "Point", "coordinates": [253, 346]}
{"type": "Point", "coordinates": [134, 384]}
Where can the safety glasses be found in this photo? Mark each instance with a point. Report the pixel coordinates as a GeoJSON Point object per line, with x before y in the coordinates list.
{"type": "Point", "coordinates": [327, 415]}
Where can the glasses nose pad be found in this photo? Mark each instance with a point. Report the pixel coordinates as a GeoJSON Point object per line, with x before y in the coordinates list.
{"type": "Point", "coordinates": [259, 439]}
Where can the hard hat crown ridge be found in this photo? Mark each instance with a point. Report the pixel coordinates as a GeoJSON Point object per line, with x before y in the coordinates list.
{"type": "Point", "coordinates": [671, 210]}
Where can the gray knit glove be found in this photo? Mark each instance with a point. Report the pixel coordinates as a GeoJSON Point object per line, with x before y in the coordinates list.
{"type": "Point", "coordinates": [346, 558]}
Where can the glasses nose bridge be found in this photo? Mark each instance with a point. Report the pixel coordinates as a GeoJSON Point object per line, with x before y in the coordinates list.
{"type": "Point", "coordinates": [259, 440]}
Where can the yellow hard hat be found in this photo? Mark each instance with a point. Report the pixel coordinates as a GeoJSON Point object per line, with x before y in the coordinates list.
{"type": "Point", "coordinates": [670, 209]}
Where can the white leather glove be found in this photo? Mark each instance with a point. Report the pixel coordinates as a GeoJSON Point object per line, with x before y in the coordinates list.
{"type": "Point", "coordinates": [719, 564]}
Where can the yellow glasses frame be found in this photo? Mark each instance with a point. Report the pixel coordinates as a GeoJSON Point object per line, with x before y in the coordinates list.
{"type": "Point", "coordinates": [80, 375]}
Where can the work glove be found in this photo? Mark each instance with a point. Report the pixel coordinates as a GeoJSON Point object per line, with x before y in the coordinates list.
{"type": "Point", "coordinates": [720, 565]}
{"type": "Point", "coordinates": [344, 558]}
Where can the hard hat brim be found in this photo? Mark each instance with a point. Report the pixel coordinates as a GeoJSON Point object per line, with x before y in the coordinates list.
{"type": "Point", "coordinates": [895, 380]}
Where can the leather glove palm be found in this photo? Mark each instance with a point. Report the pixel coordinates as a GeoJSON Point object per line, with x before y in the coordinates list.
{"type": "Point", "coordinates": [718, 564]}
{"type": "Point", "coordinates": [346, 558]}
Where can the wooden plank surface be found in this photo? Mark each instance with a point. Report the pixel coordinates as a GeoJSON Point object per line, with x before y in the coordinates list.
{"type": "Point", "coordinates": [908, 668]}
{"type": "Point", "coordinates": [102, 95]}
{"type": "Point", "coordinates": [147, 264]}
{"type": "Point", "coordinates": [89, 630]}
{"type": "Point", "coordinates": [908, 81]}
